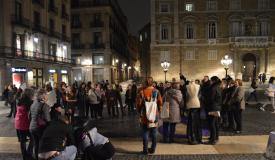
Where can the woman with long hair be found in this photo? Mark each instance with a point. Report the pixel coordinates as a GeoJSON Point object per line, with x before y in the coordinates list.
{"type": "Point", "coordinates": [22, 122]}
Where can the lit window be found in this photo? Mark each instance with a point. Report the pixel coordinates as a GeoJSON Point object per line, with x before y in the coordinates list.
{"type": "Point", "coordinates": [98, 60]}
{"type": "Point", "coordinates": [212, 30]}
{"type": "Point", "coordinates": [189, 55]}
{"type": "Point", "coordinates": [164, 55]}
{"type": "Point", "coordinates": [140, 38]}
{"type": "Point", "coordinates": [164, 8]}
{"type": "Point", "coordinates": [212, 55]}
{"type": "Point", "coordinates": [189, 7]}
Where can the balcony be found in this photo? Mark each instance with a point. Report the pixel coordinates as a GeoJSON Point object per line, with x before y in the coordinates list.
{"type": "Point", "coordinates": [87, 3]}
{"type": "Point", "coordinates": [78, 46]}
{"type": "Point", "coordinates": [39, 28]}
{"type": "Point", "coordinates": [97, 46]}
{"type": "Point", "coordinates": [53, 9]}
{"type": "Point", "coordinates": [39, 2]}
{"type": "Point", "coordinates": [19, 20]}
{"type": "Point", "coordinates": [249, 41]}
{"type": "Point", "coordinates": [65, 16]}
{"type": "Point", "coordinates": [97, 24]}
{"type": "Point", "coordinates": [66, 38]}
{"type": "Point", "coordinates": [77, 25]}
{"type": "Point", "coordinates": [12, 53]}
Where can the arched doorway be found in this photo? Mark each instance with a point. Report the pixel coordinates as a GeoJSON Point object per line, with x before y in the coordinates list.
{"type": "Point", "coordinates": [249, 67]}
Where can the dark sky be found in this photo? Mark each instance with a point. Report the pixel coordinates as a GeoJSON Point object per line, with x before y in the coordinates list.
{"type": "Point", "coordinates": [137, 12]}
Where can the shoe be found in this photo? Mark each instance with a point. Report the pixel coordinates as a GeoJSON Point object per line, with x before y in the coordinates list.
{"type": "Point", "coordinates": [8, 116]}
{"type": "Point", "coordinates": [211, 142]}
{"type": "Point", "coordinates": [144, 152]}
{"type": "Point", "coordinates": [193, 142]}
{"type": "Point", "coordinates": [262, 109]}
{"type": "Point", "coordinates": [238, 132]}
{"type": "Point", "coordinates": [151, 151]}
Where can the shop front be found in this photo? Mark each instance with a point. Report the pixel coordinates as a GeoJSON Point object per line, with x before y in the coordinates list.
{"type": "Point", "coordinates": [53, 77]}
{"type": "Point", "coordinates": [18, 75]}
{"type": "Point", "coordinates": [64, 76]}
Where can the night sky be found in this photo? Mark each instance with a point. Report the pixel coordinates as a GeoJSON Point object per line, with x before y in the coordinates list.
{"type": "Point", "coordinates": [137, 12]}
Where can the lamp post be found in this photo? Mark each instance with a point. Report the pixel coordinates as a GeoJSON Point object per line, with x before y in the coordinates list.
{"type": "Point", "coordinates": [226, 62]}
{"type": "Point", "coordinates": [165, 65]}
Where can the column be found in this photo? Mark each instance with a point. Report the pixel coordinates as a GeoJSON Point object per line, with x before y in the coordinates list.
{"type": "Point", "coordinates": [153, 21]}
{"type": "Point", "coordinates": [176, 21]}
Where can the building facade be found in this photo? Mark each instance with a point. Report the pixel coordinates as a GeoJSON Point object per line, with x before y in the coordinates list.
{"type": "Point", "coordinates": [194, 35]}
{"type": "Point", "coordinates": [34, 42]}
{"type": "Point", "coordinates": [99, 40]}
{"type": "Point", "coordinates": [133, 58]}
{"type": "Point", "coordinates": [144, 50]}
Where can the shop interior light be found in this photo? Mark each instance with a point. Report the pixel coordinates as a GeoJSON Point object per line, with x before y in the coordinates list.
{"type": "Point", "coordinates": [35, 39]}
{"type": "Point", "coordinates": [64, 71]}
{"type": "Point", "coordinates": [129, 67]}
{"type": "Point", "coordinates": [52, 71]}
{"type": "Point", "coordinates": [116, 60]}
{"type": "Point", "coordinates": [101, 59]}
{"type": "Point", "coordinates": [86, 62]}
{"type": "Point", "coordinates": [64, 47]}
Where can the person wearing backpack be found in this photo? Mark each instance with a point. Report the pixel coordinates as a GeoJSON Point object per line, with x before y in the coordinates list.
{"type": "Point", "coordinates": [149, 104]}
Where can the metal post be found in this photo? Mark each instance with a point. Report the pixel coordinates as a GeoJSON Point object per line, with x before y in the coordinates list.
{"type": "Point", "coordinates": [165, 76]}
{"type": "Point", "coordinates": [226, 69]}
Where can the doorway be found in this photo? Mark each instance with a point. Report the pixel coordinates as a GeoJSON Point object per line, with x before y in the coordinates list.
{"type": "Point", "coordinates": [249, 67]}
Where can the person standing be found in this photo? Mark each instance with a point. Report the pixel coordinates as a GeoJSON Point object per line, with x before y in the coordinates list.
{"type": "Point", "coordinates": [39, 117]}
{"type": "Point", "coordinates": [270, 94]}
{"type": "Point", "coordinates": [81, 100]}
{"type": "Point", "coordinates": [213, 109]}
{"type": "Point", "coordinates": [118, 90]}
{"type": "Point", "coordinates": [12, 100]}
{"type": "Point", "coordinates": [22, 123]}
{"type": "Point", "coordinates": [94, 98]}
{"type": "Point", "coordinates": [149, 94]}
{"type": "Point", "coordinates": [194, 131]}
{"type": "Point", "coordinates": [253, 91]}
{"type": "Point", "coordinates": [71, 103]}
{"type": "Point", "coordinates": [174, 97]}
{"type": "Point", "coordinates": [238, 105]}
{"type": "Point", "coordinates": [129, 99]}
{"type": "Point", "coordinates": [111, 97]}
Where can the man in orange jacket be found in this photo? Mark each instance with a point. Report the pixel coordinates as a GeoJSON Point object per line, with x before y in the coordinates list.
{"type": "Point", "coordinates": [146, 94]}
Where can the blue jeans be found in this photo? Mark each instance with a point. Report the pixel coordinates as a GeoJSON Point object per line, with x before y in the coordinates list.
{"type": "Point", "coordinates": [153, 135]}
{"type": "Point", "coordinates": [169, 130]}
{"type": "Point", "coordinates": [68, 154]}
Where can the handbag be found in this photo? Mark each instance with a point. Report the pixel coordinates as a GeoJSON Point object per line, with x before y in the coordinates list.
{"type": "Point", "coordinates": [165, 109]}
{"type": "Point", "coordinates": [40, 119]}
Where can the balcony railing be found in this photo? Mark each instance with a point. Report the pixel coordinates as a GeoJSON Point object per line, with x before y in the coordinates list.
{"type": "Point", "coordinates": [97, 46]}
{"type": "Point", "coordinates": [53, 9]}
{"type": "Point", "coordinates": [87, 3]}
{"type": "Point", "coordinates": [79, 25]}
{"type": "Point", "coordinates": [78, 46]}
{"type": "Point", "coordinates": [39, 28]}
{"type": "Point", "coordinates": [20, 21]}
{"type": "Point", "coordinates": [97, 24]}
{"type": "Point", "coordinates": [250, 41]}
{"type": "Point", "coordinates": [66, 38]}
{"type": "Point", "coordinates": [9, 52]}
{"type": "Point", "coordinates": [39, 2]}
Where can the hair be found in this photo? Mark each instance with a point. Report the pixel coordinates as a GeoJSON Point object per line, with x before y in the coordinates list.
{"type": "Point", "coordinates": [48, 87]}
{"type": "Point", "coordinates": [240, 82]}
{"type": "Point", "coordinates": [26, 98]}
{"type": "Point", "coordinates": [271, 80]}
{"type": "Point", "coordinates": [63, 118]}
{"type": "Point", "coordinates": [40, 94]}
{"type": "Point", "coordinates": [215, 80]}
{"type": "Point", "coordinates": [174, 85]}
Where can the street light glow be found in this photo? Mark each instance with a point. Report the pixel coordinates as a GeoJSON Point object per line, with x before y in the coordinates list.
{"type": "Point", "coordinates": [165, 65]}
{"type": "Point", "coordinates": [226, 61]}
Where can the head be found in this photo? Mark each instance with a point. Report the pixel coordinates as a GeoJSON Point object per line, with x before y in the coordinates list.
{"type": "Point", "coordinates": [205, 78]}
{"type": "Point", "coordinates": [168, 85]}
{"type": "Point", "coordinates": [215, 80]}
{"type": "Point", "coordinates": [197, 81]}
{"type": "Point", "coordinates": [48, 87]}
{"type": "Point", "coordinates": [83, 85]}
{"type": "Point", "coordinates": [129, 86]}
{"type": "Point", "coordinates": [238, 83]}
{"type": "Point", "coordinates": [26, 98]}
{"type": "Point", "coordinates": [41, 95]}
{"type": "Point", "coordinates": [271, 80]}
{"type": "Point", "coordinates": [175, 85]}
{"type": "Point", "coordinates": [149, 82]}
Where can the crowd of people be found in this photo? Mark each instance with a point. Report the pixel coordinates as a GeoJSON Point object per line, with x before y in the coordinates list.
{"type": "Point", "coordinates": [211, 103]}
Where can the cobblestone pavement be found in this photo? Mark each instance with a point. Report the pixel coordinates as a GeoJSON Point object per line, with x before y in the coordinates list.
{"type": "Point", "coordinates": [166, 157]}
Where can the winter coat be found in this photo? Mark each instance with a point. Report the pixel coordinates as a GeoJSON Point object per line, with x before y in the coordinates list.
{"type": "Point", "coordinates": [94, 97]}
{"type": "Point", "coordinates": [215, 97]}
{"type": "Point", "coordinates": [237, 99]}
{"type": "Point", "coordinates": [193, 96]}
{"type": "Point", "coordinates": [174, 105]}
{"type": "Point", "coordinates": [22, 121]}
{"type": "Point", "coordinates": [38, 108]}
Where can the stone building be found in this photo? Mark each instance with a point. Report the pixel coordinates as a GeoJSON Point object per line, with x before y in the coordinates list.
{"type": "Point", "coordinates": [99, 40]}
{"type": "Point", "coordinates": [194, 35]}
{"type": "Point", "coordinates": [34, 42]}
{"type": "Point", "coordinates": [144, 49]}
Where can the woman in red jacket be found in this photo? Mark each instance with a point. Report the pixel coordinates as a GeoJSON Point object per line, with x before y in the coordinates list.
{"type": "Point", "coordinates": [22, 122]}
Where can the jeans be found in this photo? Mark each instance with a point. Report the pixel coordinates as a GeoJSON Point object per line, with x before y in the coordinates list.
{"type": "Point", "coordinates": [169, 130]}
{"type": "Point", "coordinates": [153, 135]}
{"type": "Point", "coordinates": [237, 113]}
{"type": "Point", "coordinates": [271, 101]}
{"type": "Point", "coordinates": [68, 154]}
{"type": "Point", "coordinates": [194, 131]}
{"type": "Point", "coordinates": [36, 135]}
{"type": "Point", "coordinates": [254, 94]}
{"type": "Point", "coordinates": [22, 137]}
{"type": "Point", "coordinates": [213, 127]}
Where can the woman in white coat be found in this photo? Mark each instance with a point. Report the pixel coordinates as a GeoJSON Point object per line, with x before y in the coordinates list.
{"type": "Point", "coordinates": [194, 133]}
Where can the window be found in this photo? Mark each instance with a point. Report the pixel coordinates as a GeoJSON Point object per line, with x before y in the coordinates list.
{"type": "Point", "coordinates": [189, 55]}
{"type": "Point", "coordinates": [97, 17]}
{"type": "Point", "coordinates": [211, 5]}
{"type": "Point", "coordinates": [212, 30]}
{"type": "Point", "coordinates": [97, 38]}
{"type": "Point", "coordinates": [165, 55]}
{"type": "Point", "coordinates": [51, 25]}
{"type": "Point", "coordinates": [236, 28]}
{"type": "Point", "coordinates": [164, 8]}
{"type": "Point", "coordinates": [189, 7]}
{"type": "Point", "coordinates": [75, 39]}
{"type": "Point", "coordinates": [64, 29]}
{"type": "Point", "coordinates": [140, 38]}
{"type": "Point", "coordinates": [263, 28]}
{"type": "Point", "coordinates": [263, 4]}
{"type": "Point", "coordinates": [36, 18]}
{"type": "Point", "coordinates": [164, 32]}
{"type": "Point", "coordinates": [19, 46]}
{"type": "Point", "coordinates": [98, 60]}
{"type": "Point", "coordinates": [235, 4]}
{"type": "Point", "coordinates": [63, 9]}
{"type": "Point", "coordinates": [212, 55]}
{"type": "Point", "coordinates": [75, 21]}
{"type": "Point", "coordinates": [189, 31]}
{"type": "Point", "coordinates": [52, 49]}
{"type": "Point", "coordinates": [18, 10]}
{"type": "Point", "coordinates": [98, 74]}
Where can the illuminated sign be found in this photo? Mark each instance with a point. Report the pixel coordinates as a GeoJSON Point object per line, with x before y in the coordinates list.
{"type": "Point", "coordinates": [19, 70]}
{"type": "Point", "coordinates": [64, 72]}
{"type": "Point", "coordinates": [52, 71]}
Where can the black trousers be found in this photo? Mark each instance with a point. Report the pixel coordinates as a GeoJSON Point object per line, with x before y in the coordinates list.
{"type": "Point", "coordinates": [194, 131]}
{"type": "Point", "coordinates": [213, 123]}
{"type": "Point", "coordinates": [100, 109]}
{"type": "Point", "coordinates": [237, 113]}
{"type": "Point", "coordinates": [94, 110]}
{"type": "Point", "coordinates": [100, 152]}
{"type": "Point", "coordinates": [13, 109]}
{"type": "Point", "coordinates": [36, 135]}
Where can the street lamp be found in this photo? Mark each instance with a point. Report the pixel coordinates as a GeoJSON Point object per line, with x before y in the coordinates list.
{"type": "Point", "coordinates": [226, 62]}
{"type": "Point", "coordinates": [165, 65]}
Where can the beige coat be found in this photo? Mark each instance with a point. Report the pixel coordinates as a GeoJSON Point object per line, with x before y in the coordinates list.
{"type": "Point", "coordinates": [193, 96]}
